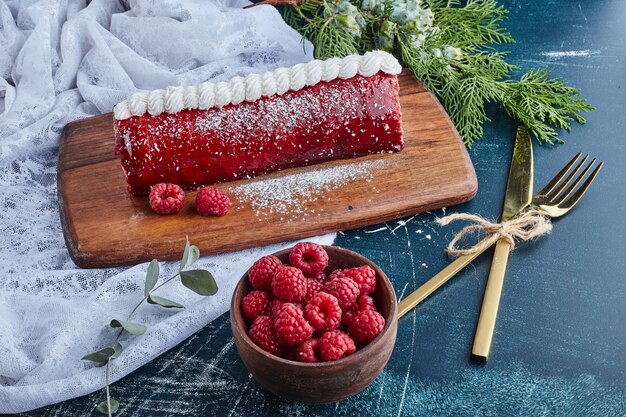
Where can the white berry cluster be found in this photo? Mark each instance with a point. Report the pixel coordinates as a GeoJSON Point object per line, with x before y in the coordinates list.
{"type": "Point", "coordinates": [405, 18]}
{"type": "Point", "coordinates": [346, 16]}
{"type": "Point", "coordinates": [449, 53]}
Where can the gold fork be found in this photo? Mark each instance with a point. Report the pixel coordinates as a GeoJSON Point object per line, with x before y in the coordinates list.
{"type": "Point", "coordinates": [558, 197]}
{"type": "Point", "coordinates": [555, 200]}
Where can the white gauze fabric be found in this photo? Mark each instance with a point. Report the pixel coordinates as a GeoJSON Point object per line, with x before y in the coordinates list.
{"type": "Point", "coordinates": [62, 60]}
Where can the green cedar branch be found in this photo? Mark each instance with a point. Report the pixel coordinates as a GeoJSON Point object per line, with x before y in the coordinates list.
{"type": "Point", "coordinates": [473, 76]}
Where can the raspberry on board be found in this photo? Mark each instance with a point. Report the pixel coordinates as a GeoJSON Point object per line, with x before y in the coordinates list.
{"type": "Point", "coordinates": [256, 304]}
{"type": "Point", "coordinates": [344, 289]}
{"type": "Point", "coordinates": [262, 271]}
{"type": "Point", "coordinates": [308, 351]}
{"type": "Point", "coordinates": [309, 257]}
{"type": "Point", "coordinates": [289, 284]}
{"type": "Point", "coordinates": [365, 276]}
{"type": "Point", "coordinates": [335, 345]}
{"type": "Point", "coordinates": [291, 327]}
{"type": "Point", "coordinates": [263, 334]}
{"type": "Point", "coordinates": [212, 201]}
{"type": "Point", "coordinates": [166, 198]}
{"type": "Point", "coordinates": [365, 326]}
{"type": "Point", "coordinates": [323, 312]}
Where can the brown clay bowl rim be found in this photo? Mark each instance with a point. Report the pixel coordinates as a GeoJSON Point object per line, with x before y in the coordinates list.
{"type": "Point", "coordinates": [348, 360]}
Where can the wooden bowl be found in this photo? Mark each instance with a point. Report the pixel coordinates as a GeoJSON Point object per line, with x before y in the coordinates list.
{"type": "Point", "coordinates": [326, 382]}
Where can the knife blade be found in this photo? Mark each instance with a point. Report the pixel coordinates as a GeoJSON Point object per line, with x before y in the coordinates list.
{"type": "Point", "coordinates": [518, 195]}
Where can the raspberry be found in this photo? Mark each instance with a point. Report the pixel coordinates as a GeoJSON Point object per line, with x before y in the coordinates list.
{"type": "Point", "coordinates": [308, 351]}
{"type": "Point", "coordinates": [344, 289]}
{"type": "Point", "coordinates": [347, 317]}
{"type": "Point", "coordinates": [276, 305]}
{"type": "Point", "coordinates": [335, 345]}
{"type": "Point", "coordinates": [337, 273]}
{"type": "Point", "coordinates": [166, 198]}
{"type": "Point", "coordinates": [291, 327]}
{"type": "Point", "coordinates": [274, 308]}
{"type": "Point", "coordinates": [263, 334]}
{"type": "Point", "coordinates": [365, 276]}
{"type": "Point", "coordinates": [289, 284]}
{"type": "Point", "coordinates": [319, 277]}
{"type": "Point", "coordinates": [365, 326]}
{"type": "Point", "coordinates": [312, 288]}
{"type": "Point", "coordinates": [211, 200]}
{"type": "Point", "coordinates": [256, 304]}
{"type": "Point", "coordinates": [309, 257]}
{"type": "Point", "coordinates": [323, 312]}
{"type": "Point", "coordinates": [364, 302]}
{"type": "Point", "coordinates": [262, 272]}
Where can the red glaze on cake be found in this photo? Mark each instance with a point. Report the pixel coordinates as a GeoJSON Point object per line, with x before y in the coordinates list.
{"type": "Point", "coordinates": [341, 118]}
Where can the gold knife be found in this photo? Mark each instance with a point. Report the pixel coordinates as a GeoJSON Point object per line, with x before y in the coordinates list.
{"type": "Point", "coordinates": [435, 282]}
{"type": "Point", "coordinates": [519, 191]}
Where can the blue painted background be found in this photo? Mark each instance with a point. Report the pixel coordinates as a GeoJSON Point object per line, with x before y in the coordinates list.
{"type": "Point", "coordinates": [560, 342]}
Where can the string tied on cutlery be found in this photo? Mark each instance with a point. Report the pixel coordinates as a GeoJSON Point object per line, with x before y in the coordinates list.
{"type": "Point", "coordinates": [524, 227]}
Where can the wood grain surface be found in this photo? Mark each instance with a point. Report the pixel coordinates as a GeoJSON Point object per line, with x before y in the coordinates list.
{"type": "Point", "coordinates": [104, 226]}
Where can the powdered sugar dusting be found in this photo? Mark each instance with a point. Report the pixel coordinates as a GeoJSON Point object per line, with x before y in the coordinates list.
{"type": "Point", "coordinates": [290, 196]}
{"type": "Point", "coordinates": [329, 121]}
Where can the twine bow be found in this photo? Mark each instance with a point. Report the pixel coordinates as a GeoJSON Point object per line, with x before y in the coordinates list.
{"type": "Point", "coordinates": [524, 227]}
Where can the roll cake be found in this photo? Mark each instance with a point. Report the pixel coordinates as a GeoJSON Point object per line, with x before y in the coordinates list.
{"type": "Point", "coordinates": [302, 115]}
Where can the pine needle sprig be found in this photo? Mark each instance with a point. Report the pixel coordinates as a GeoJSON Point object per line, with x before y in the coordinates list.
{"type": "Point", "coordinates": [473, 25]}
{"type": "Point", "coordinates": [543, 104]}
{"type": "Point", "coordinates": [334, 43]}
{"type": "Point", "coordinates": [449, 46]}
{"type": "Point", "coordinates": [464, 87]}
{"type": "Point", "coordinates": [311, 22]}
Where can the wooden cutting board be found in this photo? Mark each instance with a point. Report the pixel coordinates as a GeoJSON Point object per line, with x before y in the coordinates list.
{"type": "Point", "coordinates": [104, 226]}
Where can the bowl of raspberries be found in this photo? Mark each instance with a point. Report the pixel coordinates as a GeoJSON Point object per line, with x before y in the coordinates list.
{"type": "Point", "coordinates": [314, 324]}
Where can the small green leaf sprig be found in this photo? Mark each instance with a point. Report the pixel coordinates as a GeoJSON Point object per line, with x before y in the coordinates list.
{"type": "Point", "coordinates": [199, 281]}
{"type": "Point", "coordinates": [449, 46]}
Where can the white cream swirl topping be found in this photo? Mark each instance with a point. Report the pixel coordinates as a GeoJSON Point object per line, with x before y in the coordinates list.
{"type": "Point", "coordinates": [254, 86]}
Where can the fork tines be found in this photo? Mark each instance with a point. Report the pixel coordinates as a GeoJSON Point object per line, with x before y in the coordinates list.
{"type": "Point", "coordinates": [563, 190]}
